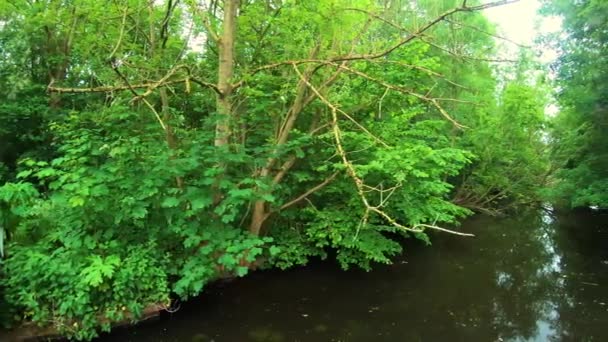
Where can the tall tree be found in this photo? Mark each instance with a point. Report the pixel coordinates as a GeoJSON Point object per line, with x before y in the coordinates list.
{"type": "Point", "coordinates": [194, 139]}
{"type": "Point", "coordinates": [580, 152]}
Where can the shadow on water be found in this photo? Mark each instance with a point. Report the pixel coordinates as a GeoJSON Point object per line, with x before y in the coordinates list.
{"type": "Point", "coordinates": [536, 277]}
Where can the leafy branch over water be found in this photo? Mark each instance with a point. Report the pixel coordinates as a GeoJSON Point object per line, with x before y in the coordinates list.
{"type": "Point", "coordinates": [154, 147]}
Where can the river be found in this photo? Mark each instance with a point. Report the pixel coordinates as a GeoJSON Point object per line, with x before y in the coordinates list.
{"type": "Point", "coordinates": [534, 277]}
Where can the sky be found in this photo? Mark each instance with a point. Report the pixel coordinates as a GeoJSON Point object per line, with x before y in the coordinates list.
{"type": "Point", "coordinates": [520, 23]}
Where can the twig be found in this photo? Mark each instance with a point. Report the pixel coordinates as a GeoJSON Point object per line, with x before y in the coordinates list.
{"type": "Point", "coordinates": [309, 192]}
{"type": "Point", "coordinates": [350, 169]}
{"type": "Point", "coordinates": [421, 30]}
{"type": "Point", "coordinates": [487, 33]}
{"type": "Point", "coordinates": [106, 89]}
{"type": "Point", "coordinates": [206, 22]}
{"type": "Point", "coordinates": [120, 36]}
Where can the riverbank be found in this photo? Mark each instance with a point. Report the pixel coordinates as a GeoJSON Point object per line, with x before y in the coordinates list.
{"type": "Point", "coordinates": [536, 276]}
{"type": "Point", "coordinates": [532, 277]}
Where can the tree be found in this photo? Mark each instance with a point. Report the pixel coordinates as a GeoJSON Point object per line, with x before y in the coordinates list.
{"type": "Point", "coordinates": [280, 136]}
{"type": "Point", "coordinates": [579, 151]}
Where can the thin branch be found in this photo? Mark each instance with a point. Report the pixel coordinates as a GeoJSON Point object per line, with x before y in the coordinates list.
{"type": "Point", "coordinates": [487, 33]}
{"type": "Point", "coordinates": [205, 84]}
{"type": "Point", "coordinates": [350, 169]}
{"type": "Point", "coordinates": [411, 36]}
{"type": "Point", "coordinates": [423, 69]}
{"type": "Point", "coordinates": [160, 120]}
{"type": "Point", "coordinates": [105, 89]}
{"type": "Point", "coordinates": [68, 41]}
{"type": "Point", "coordinates": [160, 82]}
{"type": "Point", "coordinates": [421, 30]}
{"type": "Point", "coordinates": [121, 76]}
{"type": "Point", "coordinates": [380, 103]}
{"type": "Point", "coordinates": [120, 36]}
{"type": "Point", "coordinates": [467, 57]}
{"type": "Point", "coordinates": [430, 100]}
{"type": "Point", "coordinates": [309, 192]}
{"type": "Point", "coordinates": [317, 93]}
{"type": "Point", "coordinates": [206, 22]}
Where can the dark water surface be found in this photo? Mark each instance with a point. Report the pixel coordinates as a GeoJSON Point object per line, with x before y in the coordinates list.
{"type": "Point", "coordinates": [537, 277]}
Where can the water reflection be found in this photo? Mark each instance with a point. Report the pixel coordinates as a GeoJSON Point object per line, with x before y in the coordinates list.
{"type": "Point", "coordinates": [534, 277]}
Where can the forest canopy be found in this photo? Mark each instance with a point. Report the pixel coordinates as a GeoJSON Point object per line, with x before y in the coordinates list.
{"type": "Point", "coordinates": [151, 147]}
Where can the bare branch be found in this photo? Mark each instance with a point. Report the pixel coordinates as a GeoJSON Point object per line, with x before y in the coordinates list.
{"type": "Point", "coordinates": [421, 30]}
{"type": "Point", "coordinates": [309, 192]}
{"type": "Point", "coordinates": [467, 57]}
{"type": "Point", "coordinates": [121, 76]}
{"type": "Point", "coordinates": [103, 89]}
{"type": "Point", "coordinates": [425, 98]}
{"type": "Point", "coordinates": [486, 33]}
{"type": "Point", "coordinates": [350, 169]}
{"type": "Point", "coordinates": [160, 82]}
{"type": "Point", "coordinates": [423, 69]}
{"type": "Point", "coordinates": [120, 36]}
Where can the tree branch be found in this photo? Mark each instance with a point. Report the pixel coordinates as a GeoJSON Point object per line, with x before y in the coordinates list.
{"type": "Point", "coordinates": [104, 89]}
{"type": "Point", "coordinates": [120, 36]}
{"type": "Point", "coordinates": [350, 169]}
{"type": "Point", "coordinates": [486, 33]}
{"type": "Point", "coordinates": [309, 192]}
{"type": "Point", "coordinates": [420, 31]}
{"type": "Point", "coordinates": [206, 22]}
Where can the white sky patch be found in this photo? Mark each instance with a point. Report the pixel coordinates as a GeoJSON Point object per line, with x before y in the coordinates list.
{"type": "Point", "coordinates": [521, 23]}
{"type": "Point", "coordinates": [516, 21]}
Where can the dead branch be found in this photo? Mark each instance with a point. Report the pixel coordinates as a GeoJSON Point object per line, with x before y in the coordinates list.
{"type": "Point", "coordinates": [104, 89]}
{"type": "Point", "coordinates": [425, 70]}
{"type": "Point", "coordinates": [467, 57]}
{"type": "Point", "coordinates": [350, 169]}
{"type": "Point", "coordinates": [120, 36]}
{"type": "Point", "coordinates": [309, 192]}
{"type": "Point", "coordinates": [151, 85]}
{"type": "Point", "coordinates": [160, 82]}
{"type": "Point", "coordinates": [433, 101]}
{"type": "Point", "coordinates": [421, 30]}
{"type": "Point", "coordinates": [474, 28]}
{"type": "Point", "coordinates": [410, 36]}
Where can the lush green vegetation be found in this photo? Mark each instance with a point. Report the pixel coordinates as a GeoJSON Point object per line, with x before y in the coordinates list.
{"type": "Point", "coordinates": [149, 148]}
{"type": "Point", "coordinates": [580, 152]}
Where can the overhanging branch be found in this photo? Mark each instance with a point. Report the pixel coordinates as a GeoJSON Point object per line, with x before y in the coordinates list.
{"type": "Point", "coordinates": [360, 185]}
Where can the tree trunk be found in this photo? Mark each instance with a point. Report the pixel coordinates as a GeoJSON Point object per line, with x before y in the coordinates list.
{"type": "Point", "coordinates": [169, 135]}
{"type": "Point", "coordinates": [224, 106]}
{"type": "Point", "coordinates": [225, 73]}
{"type": "Point", "coordinates": [258, 217]}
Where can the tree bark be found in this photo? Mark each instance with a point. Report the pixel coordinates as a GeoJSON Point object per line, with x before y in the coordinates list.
{"type": "Point", "coordinates": [224, 104]}
{"type": "Point", "coordinates": [169, 135]}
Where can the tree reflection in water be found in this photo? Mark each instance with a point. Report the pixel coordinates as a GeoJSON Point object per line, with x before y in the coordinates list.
{"type": "Point", "coordinates": [536, 276]}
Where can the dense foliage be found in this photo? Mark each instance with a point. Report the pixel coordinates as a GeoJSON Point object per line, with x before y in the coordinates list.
{"type": "Point", "coordinates": [149, 148]}
{"type": "Point", "coordinates": [581, 127]}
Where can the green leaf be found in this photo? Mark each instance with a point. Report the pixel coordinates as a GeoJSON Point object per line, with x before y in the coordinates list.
{"type": "Point", "coordinates": [241, 271]}
{"type": "Point", "coordinates": [201, 203]}
{"type": "Point", "coordinates": [170, 202]}
{"type": "Point", "coordinates": [76, 201]}
{"type": "Point", "coordinates": [24, 174]}
{"type": "Point", "coordinates": [139, 212]}
{"type": "Point", "coordinates": [274, 250]}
